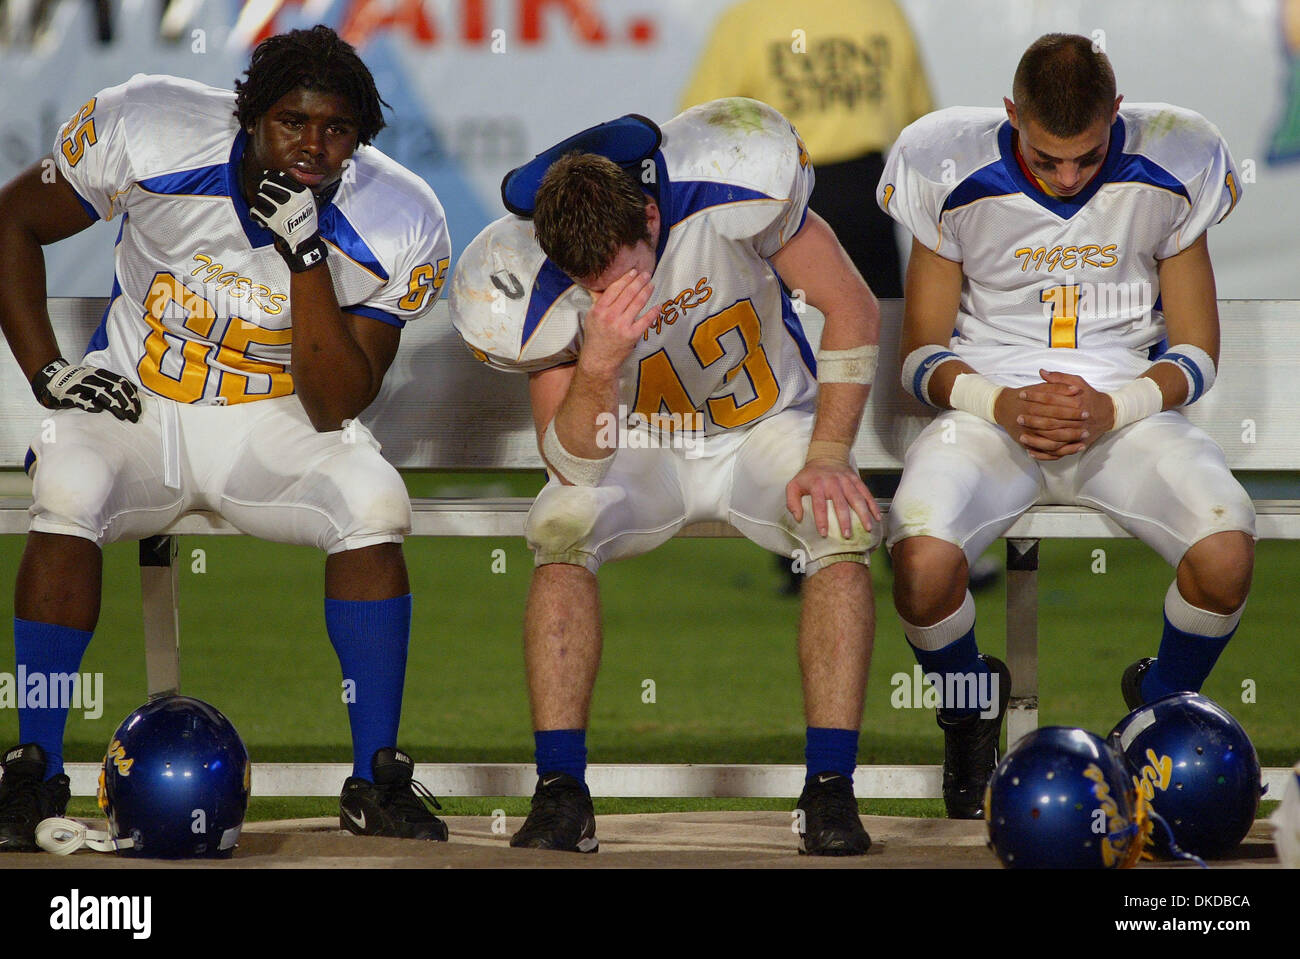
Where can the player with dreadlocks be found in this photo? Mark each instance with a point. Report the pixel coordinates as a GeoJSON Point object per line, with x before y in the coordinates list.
{"type": "Point", "coordinates": [267, 261]}
{"type": "Point", "coordinates": [315, 59]}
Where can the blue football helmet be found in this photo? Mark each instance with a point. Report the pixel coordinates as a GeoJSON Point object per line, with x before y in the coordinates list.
{"type": "Point", "coordinates": [1196, 767]}
{"type": "Point", "coordinates": [175, 781]}
{"type": "Point", "coordinates": [1062, 799]}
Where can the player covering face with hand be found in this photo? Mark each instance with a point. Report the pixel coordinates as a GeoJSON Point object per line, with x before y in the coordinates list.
{"type": "Point", "coordinates": [1060, 310]}
{"type": "Point", "coordinates": [642, 285]}
{"type": "Point", "coordinates": [267, 261]}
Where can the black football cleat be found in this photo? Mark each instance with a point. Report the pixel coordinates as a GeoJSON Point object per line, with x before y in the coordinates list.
{"type": "Point", "coordinates": [1130, 683]}
{"type": "Point", "coordinates": [561, 817]}
{"type": "Point", "coordinates": [970, 750]}
{"type": "Point", "coordinates": [831, 825]}
{"type": "Point", "coordinates": [27, 797]}
{"type": "Point", "coordinates": [393, 805]}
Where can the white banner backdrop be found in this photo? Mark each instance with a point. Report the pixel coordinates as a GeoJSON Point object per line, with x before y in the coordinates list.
{"type": "Point", "coordinates": [479, 86]}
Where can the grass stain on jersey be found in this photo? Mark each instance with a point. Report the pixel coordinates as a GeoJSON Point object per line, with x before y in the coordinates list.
{"type": "Point", "coordinates": [1166, 122]}
{"type": "Point", "coordinates": [737, 113]}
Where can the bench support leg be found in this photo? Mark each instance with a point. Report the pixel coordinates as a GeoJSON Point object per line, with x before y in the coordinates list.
{"type": "Point", "coordinates": [160, 595]}
{"type": "Point", "coordinates": [1022, 637]}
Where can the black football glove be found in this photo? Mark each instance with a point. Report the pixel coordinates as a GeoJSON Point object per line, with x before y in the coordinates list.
{"type": "Point", "coordinates": [61, 386]}
{"type": "Point", "coordinates": [288, 209]}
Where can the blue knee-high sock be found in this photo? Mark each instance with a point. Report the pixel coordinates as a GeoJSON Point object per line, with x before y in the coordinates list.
{"type": "Point", "coordinates": [959, 657]}
{"type": "Point", "coordinates": [1183, 662]}
{"type": "Point", "coordinates": [828, 750]}
{"type": "Point", "coordinates": [46, 648]}
{"type": "Point", "coordinates": [561, 751]}
{"type": "Point", "coordinates": [371, 639]}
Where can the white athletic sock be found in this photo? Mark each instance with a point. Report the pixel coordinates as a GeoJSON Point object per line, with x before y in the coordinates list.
{"type": "Point", "coordinates": [944, 632]}
{"type": "Point", "coordinates": [1187, 618]}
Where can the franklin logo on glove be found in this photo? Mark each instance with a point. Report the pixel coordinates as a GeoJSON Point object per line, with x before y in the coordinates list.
{"type": "Point", "coordinates": [287, 208]}
{"type": "Point", "coordinates": [298, 219]}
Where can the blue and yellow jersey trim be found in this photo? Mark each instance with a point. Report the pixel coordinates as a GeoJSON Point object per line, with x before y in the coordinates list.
{"type": "Point", "coordinates": [1006, 176]}
{"type": "Point", "coordinates": [1230, 184]}
{"type": "Point", "coordinates": [550, 284]}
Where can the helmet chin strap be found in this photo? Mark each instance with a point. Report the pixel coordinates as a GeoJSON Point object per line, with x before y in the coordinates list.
{"type": "Point", "coordinates": [1174, 849]}
{"type": "Point", "coordinates": [65, 836]}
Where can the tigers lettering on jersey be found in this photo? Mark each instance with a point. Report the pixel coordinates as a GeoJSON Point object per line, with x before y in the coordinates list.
{"type": "Point", "coordinates": [675, 309]}
{"type": "Point", "coordinates": [1068, 257]}
{"type": "Point", "coordinates": [259, 294]}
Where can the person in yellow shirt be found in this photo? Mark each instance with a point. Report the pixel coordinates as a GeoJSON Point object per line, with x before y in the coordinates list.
{"type": "Point", "coordinates": [1286, 138]}
{"type": "Point", "coordinates": [848, 76]}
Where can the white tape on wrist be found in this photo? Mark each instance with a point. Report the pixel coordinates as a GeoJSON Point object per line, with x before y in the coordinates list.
{"type": "Point", "coordinates": [855, 365]}
{"type": "Point", "coordinates": [65, 836]}
{"type": "Point", "coordinates": [576, 469]}
{"type": "Point", "coordinates": [918, 367]}
{"type": "Point", "coordinates": [974, 394]}
{"type": "Point", "coordinates": [1196, 365]}
{"type": "Point", "coordinates": [1136, 401]}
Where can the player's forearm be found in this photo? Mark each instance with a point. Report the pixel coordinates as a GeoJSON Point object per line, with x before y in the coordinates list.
{"type": "Point", "coordinates": [23, 314]}
{"type": "Point", "coordinates": [583, 420]}
{"type": "Point", "coordinates": [852, 325]}
{"type": "Point", "coordinates": [331, 373]}
{"type": "Point", "coordinates": [839, 412]}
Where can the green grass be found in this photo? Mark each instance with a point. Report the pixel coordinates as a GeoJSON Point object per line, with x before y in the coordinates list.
{"type": "Point", "coordinates": [266, 808]}
{"type": "Point", "coordinates": [703, 619]}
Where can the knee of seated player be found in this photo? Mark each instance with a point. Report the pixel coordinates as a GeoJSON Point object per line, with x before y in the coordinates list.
{"type": "Point", "coordinates": [560, 524]}
{"type": "Point", "coordinates": [860, 540]}
{"type": "Point", "coordinates": [370, 507]}
{"type": "Point", "coordinates": [1215, 573]}
{"type": "Point", "coordinates": [930, 578]}
{"type": "Point", "coordinates": [72, 488]}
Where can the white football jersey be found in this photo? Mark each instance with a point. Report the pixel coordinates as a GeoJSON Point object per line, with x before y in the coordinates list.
{"type": "Point", "coordinates": [200, 308]}
{"type": "Point", "coordinates": [1066, 284]}
{"type": "Point", "coordinates": [732, 181]}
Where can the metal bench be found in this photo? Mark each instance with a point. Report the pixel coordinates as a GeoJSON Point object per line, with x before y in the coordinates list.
{"type": "Point", "coordinates": [442, 410]}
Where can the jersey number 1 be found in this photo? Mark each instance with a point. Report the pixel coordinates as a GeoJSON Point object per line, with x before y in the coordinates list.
{"type": "Point", "coordinates": [1064, 331]}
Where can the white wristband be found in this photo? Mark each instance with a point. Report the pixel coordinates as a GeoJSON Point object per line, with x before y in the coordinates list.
{"type": "Point", "coordinates": [856, 365]}
{"type": "Point", "coordinates": [1197, 366]}
{"type": "Point", "coordinates": [1136, 401]}
{"type": "Point", "coordinates": [918, 367]}
{"type": "Point", "coordinates": [576, 469]}
{"type": "Point", "coordinates": [974, 394]}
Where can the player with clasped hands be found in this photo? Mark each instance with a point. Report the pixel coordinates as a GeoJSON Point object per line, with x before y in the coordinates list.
{"type": "Point", "coordinates": [1059, 312]}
